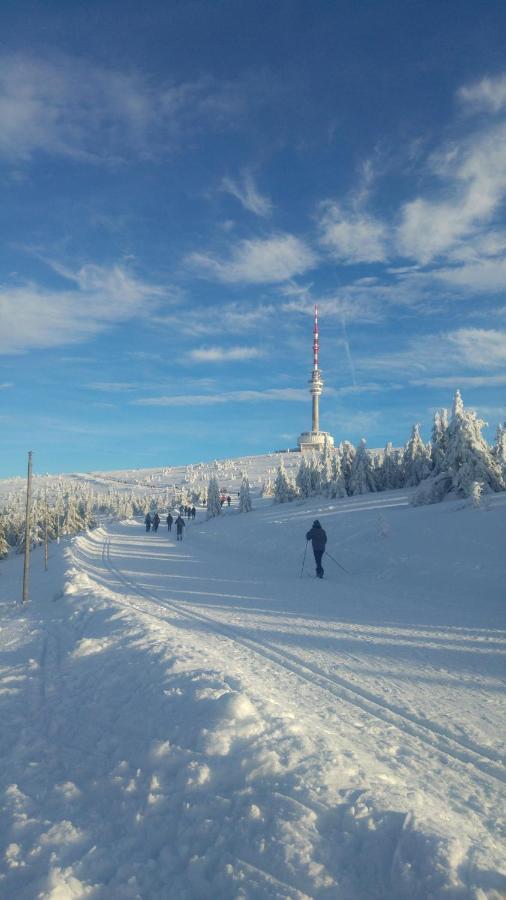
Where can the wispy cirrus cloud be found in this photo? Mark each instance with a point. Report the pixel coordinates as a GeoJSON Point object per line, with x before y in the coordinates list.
{"type": "Point", "coordinates": [69, 107]}
{"type": "Point", "coordinates": [353, 236]}
{"type": "Point", "coordinates": [294, 395]}
{"type": "Point", "coordinates": [257, 261]}
{"type": "Point", "coordinates": [32, 316]}
{"type": "Point", "coordinates": [246, 192]}
{"type": "Point", "coordinates": [488, 95]}
{"type": "Point", "coordinates": [462, 350]}
{"type": "Point", "coordinates": [229, 318]}
{"type": "Point", "coordinates": [225, 354]}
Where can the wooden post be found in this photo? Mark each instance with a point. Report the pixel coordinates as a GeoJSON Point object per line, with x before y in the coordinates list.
{"type": "Point", "coordinates": [26, 568]}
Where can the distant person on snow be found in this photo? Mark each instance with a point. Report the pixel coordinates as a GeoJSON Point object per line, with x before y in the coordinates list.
{"type": "Point", "coordinates": [194, 512]}
{"type": "Point", "coordinates": [180, 523]}
{"type": "Point", "coordinates": [156, 521]}
{"type": "Point", "coordinates": [148, 522]}
{"type": "Point", "coordinates": [169, 522]}
{"type": "Point", "coordinates": [319, 538]}
{"type": "Point", "coordinates": [229, 500]}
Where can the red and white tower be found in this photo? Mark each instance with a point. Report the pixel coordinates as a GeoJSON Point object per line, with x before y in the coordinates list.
{"type": "Point", "coordinates": [315, 439]}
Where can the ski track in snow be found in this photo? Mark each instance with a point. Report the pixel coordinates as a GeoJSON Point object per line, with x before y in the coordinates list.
{"type": "Point", "coordinates": [198, 721]}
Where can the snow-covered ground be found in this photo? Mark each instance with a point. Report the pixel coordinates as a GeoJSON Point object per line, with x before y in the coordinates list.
{"type": "Point", "coordinates": [196, 720]}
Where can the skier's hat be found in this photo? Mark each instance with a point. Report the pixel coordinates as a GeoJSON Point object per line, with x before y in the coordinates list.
{"type": "Point", "coordinates": [316, 522]}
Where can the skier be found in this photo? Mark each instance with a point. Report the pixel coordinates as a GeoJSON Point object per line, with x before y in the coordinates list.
{"type": "Point", "coordinates": [194, 512]}
{"type": "Point", "coordinates": [148, 522]}
{"type": "Point", "coordinates": [169, 522]}
{"type": "Point", "coordinates": [180, 523]}
{"type": "Point", "coordinates": [229, 500]}
{"type": "Point", "coordinates": [319, 538]}
{"type": "Point", "coordinates": [156, 521]}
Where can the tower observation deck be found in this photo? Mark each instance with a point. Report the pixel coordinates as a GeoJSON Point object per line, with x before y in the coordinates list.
{"type": "Point", "coordinates": [315, 439]}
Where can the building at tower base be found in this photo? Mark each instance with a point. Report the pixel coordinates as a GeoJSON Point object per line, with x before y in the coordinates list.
{"type": "Point", "coordinates": [315, 439]}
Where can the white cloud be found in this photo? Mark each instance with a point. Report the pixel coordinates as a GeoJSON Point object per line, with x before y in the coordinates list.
{"type": "Point", "coordinates": [111, 386]}
{"type": "Point", "coordinates": [260, 261]}
{"type": "Point", "coordinates": [5, 385]}
{"type": "Point", "coordinates": [86, 112]}
{"type": "Point", "coordinates": [489, 94]}
{"type": "Point", "coordinates": [480, 347]}
{"type": "Point", "coordinates": [430, 356]}
{"type": "Point", "coordinates": [353, 237]}
{"type": "Point", "coordinates": [461, 381]}
{"type": "Point", "coordinates": [230, 318]}
{"type": "Point", "coordinates": [246, 192]}
{"type": "Point", "coordinates": [473, 177]}
{"type": "Point", "coordinates": [297, 395]}
{"type": "Point", "coordinates": [35, 317]}
{"type": "Point", "coordinates": [224, 354]}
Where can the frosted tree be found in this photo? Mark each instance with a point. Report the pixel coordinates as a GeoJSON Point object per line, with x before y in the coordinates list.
{"type": "Point", "coordinates": [72, 521]}
{"type": "Point", "coordinates": [361, 479]}
{"type": "Point", "coordinates": [416, 459]}
{"type": "Point", "coordinates": [244, 496]}
{"type": "Point", "coordinates": [4, 547]}
{"type": "Point", "coordinates": [337, 487]}
{"type": "Point", "coordinates": [213, 498]}
{"type": "Point", "coordinates": [499, 449]}
{"type": "Point", "coordinates": [326, 467]}
{"type": "Point", "coordinates": [390, 470]}
{"type": "Point", "coordinates": [303, 478]}
{"type": "Point", "coordinates": [347, 453]}
{"type": "Point", "coordinates": [469, 459]}
{"type": "Point", "coordinates": [439, 441]}
{"type": "Point", "coordinates": [284, 490]}
{"type": "Point", "coordinates": [315, 475]}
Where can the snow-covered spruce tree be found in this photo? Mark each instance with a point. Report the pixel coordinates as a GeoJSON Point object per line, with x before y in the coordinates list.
{"type": "Point", "coordinates": [499, 448]}
{"type": "Point", "coordinates": [283, 489]}
{"type": "Point", "coordinates": [361, 479]}
{"type": "Point", "coordinates": [337, 487]}
{"type": "Point", "coordinates": [72, 521]}
{"type": "Point", "coordinates": [213, 498]}
{"type": "Point", "coordinates": [303, 478]}
{"type": "Point", "coordinates": [346, 452]}
{"type": "Point", "coordinates": [391, 469]}
{"type": "Point", "coordinates": [416, 459]}
{"type": "Point", "coordinates": [4, 547]}
{"type": "Point", "coordinates": [439, 441]}
{"type": "Point", "coordinates": [468, 456]}
{"type": "Point", "coordinates": [326, 457]}
{"type": "Point", "coordinates": [244, 496]}
{"type": "Point", "coordinates": [315, 475]}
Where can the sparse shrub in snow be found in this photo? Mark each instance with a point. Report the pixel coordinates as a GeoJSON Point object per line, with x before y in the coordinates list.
{"type": "Point", "coordinates": [213, 498]}
{"type": "Point", "coordinates": [475, 493]}
{"type": "Point", "coordinates": [361, 479]}
{"type": "Point", "coordinates": [416, 459]}
{"type": "Point", "coordinates": [244, 496]}
{"type": "Point", "coordinates": [439, 441]}
{"type": "Point", "coordinates": [284, 490]}
{"type": "Point", "coordinates": [432, 490]}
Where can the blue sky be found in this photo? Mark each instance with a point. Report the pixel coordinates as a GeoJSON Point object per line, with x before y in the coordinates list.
{"type": "Point", "coordinates": [182, 181]}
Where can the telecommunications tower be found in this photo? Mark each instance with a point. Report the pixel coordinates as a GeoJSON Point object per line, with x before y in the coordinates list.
{"type": "Point", "coordinates": [315, 439]}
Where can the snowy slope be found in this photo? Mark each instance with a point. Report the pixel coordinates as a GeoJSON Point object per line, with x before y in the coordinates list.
{"type": "Point", "coordinates": [194, 719]}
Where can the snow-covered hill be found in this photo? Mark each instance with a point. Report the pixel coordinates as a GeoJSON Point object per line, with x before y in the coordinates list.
{"type": "Point", "coordinates": [197, 720]}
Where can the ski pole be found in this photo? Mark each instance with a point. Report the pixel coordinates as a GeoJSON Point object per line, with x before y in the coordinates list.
{"type": "Point", "coordinates": [304, 560]}
{"type": "Point", "coordinates": [338, 563]}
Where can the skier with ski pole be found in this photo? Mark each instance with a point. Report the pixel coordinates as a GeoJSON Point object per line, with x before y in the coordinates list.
{"type": "Point", "coordinates": [318, 538]}
{"type": "Point", "coordinates": [338, 563]}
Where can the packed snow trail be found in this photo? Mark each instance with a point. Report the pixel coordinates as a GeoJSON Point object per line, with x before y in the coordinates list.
{"type": "Point", "coordinates": [205, 723]}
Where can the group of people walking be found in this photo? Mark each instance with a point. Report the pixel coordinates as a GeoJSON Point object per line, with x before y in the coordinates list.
{"type": "Point", "coordinates": [152, 523]}
{"type": "Point", "coordinates": [316, 534]}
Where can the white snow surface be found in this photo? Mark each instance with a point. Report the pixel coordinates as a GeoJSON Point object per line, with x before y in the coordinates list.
{"type": "Point", "coordinates": [197, 720]}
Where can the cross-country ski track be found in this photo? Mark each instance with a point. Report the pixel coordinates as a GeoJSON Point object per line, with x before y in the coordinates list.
{"type": "Point", "coordinates": [204, 722]}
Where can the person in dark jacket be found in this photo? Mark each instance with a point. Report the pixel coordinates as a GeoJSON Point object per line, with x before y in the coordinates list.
{"type": "Point", "coordinates": [180, 523]}
{"type": "Point", "coordinates": [194, 512]}
{"type": "Point", "coordinates": [318, 538]}
{"type": "Point", "coordinates": [169, 522]}
{"type": "Point", "coordinates": [156, 521]}
{"type": "Point", "coordinates": [147, 520]}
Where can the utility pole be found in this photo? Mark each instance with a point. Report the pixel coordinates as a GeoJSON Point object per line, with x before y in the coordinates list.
{"type": "Point", "coordinates": [26, 568]}
{"type": "Point", "coordinates": [46, 541]}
